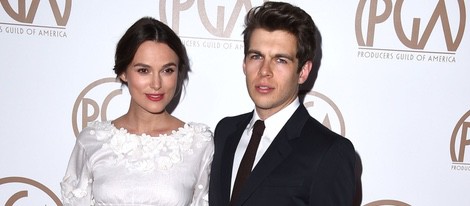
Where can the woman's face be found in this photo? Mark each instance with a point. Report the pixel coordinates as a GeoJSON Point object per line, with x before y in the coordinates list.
{"type": "Point", "coordinates": [152, 77]}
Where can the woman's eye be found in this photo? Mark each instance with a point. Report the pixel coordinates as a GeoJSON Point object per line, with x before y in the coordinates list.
{"type": "Point", "coordinates": [142, 70]}
{"type": "Point", "coordinates": [168, 70]}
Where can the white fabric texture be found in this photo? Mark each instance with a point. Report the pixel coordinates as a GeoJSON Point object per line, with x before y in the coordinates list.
{"type": "Point", "coordinates": [109, 166]}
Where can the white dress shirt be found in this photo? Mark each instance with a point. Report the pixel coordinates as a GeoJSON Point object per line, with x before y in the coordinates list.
{"type": "Point", "coordinates": [272, 127]}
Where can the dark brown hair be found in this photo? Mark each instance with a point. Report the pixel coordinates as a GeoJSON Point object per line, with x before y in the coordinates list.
{"type": "Point", "coordinates": [150, 29]}
{"type": "Point", "coordinates": [283, 16]}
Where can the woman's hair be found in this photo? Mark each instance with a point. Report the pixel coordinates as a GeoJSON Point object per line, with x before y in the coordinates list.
{"type": "Point", "coordinates": [286, 17]}
{"type": "Point", "coordinates": [150, 29]}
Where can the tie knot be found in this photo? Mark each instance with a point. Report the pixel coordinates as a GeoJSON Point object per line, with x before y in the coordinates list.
{"type": "Point", "coordinates": [258, 128]}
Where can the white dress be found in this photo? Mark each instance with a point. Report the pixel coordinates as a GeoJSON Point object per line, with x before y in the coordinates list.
{"type": "Point", "coordinates": [110, 166]}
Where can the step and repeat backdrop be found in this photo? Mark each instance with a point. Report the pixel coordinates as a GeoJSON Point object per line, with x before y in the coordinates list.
{"type": "Point", "coordinates": [394, 79]}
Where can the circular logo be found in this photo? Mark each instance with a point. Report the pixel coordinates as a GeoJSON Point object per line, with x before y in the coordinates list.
{"type": "Point", "coordinates": [16, 189]}
{"type": "Point", "coordinates": [460, 138]}
{"type": "Point", "coordinates": [387, 203]}
{"type": "Point", "coordinates": [325, 111]}
{"type": "Point", "coordinates": [98, 101]}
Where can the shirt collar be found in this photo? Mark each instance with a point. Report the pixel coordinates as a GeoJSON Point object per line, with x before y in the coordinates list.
{"type": "Point", "coordinates": [275, 122]}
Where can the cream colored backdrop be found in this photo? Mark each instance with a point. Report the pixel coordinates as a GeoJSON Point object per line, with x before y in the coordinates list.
{"type": "Point", "coordinates": [394, 79]}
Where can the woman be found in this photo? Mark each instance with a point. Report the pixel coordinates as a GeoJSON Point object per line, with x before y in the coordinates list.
{"type": "Point", "coordinates": [147, 156]}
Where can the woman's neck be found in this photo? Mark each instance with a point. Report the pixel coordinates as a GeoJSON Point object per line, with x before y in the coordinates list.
{"type": "Point", "coordinates": [150, 124]}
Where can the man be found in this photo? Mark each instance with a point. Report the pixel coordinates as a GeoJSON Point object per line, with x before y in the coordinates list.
{"type": "Point", "coordinates": [298, 160]}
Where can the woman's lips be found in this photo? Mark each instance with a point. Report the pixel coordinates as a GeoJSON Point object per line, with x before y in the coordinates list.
{"type": "Point", "coordinates": [155, 97]}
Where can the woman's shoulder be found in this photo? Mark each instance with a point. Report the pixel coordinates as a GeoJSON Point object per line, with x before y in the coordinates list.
{"type": "Point", "coordinates": [96, 131]}
{"type": "Point", "coordinates": [196, 137]}
{"type": "Point", "coordinates": [197, 126]}
{"type": "Point", "coordinates": [198, 131]}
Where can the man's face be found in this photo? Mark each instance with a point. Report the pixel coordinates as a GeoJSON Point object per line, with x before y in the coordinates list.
{"type": "Point", "coordinates": [270, 67]}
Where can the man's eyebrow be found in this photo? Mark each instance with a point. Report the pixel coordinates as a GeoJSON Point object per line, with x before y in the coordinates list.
{"type": "Point", "coordinates": [280, 55]}
{"type": "Point", "coordinates": [287, 56]}
{"type": "Point", "coordinates": [252, 51]}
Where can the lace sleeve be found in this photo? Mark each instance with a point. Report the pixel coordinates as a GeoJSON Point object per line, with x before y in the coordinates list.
{"type": "Point", "coordinates": [76, 184]}
{"type": "Point", "coordinates": [200, 197]}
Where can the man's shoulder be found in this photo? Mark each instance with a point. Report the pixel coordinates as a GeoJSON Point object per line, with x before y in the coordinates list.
{"type": "Point", "coordinates": [230, 124]}
{"type": "Point", "coordinates": [316, 131]}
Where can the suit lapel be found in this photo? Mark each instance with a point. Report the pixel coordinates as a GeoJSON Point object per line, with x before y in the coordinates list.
{"type": "Point", "coordinates": [229, 153]}
{"type": "Point", "coordinates": [279, 149]}
{"type": "Point", "coordinates": [276, 153]}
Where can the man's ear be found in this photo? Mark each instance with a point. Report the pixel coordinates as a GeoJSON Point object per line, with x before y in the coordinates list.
{"type": "Point", "coordinates": [305, 71]}
{"type": "Point", "coordinates": [244, 67]}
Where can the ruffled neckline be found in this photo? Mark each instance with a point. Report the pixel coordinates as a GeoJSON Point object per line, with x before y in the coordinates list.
{"type": "Point", "coordinates": [146, 153]}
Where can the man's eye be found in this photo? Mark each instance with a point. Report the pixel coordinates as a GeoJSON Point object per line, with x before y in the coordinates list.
{"type": "Point", "coordinates": [255, 56]}
{"type": "Point", "coordinates": [281, 60]}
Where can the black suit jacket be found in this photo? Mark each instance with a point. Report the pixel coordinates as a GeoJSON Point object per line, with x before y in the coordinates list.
{"type": "Point", "coordinates": [306, 164]}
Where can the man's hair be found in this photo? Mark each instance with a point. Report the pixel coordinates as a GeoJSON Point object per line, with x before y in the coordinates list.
{"type": "Point", "coordinates": [273, 16]}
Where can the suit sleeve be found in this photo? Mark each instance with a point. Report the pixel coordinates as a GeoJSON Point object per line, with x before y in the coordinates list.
{"type": "Point", "coordinates": [334, 182]}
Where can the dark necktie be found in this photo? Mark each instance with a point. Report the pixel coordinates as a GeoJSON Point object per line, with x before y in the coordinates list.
{"type": "Point", "coordinates": [247, 161]}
